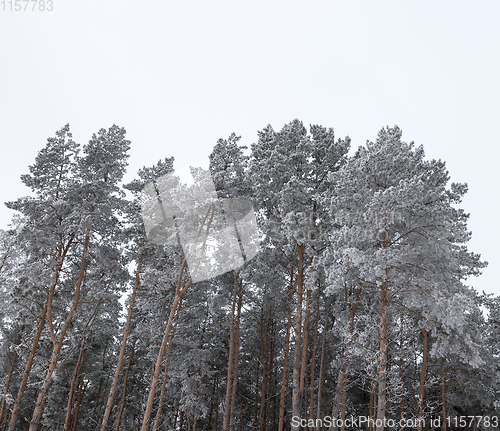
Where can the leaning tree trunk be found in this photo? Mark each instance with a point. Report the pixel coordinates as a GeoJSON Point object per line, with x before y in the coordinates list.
{"type": "Point", "coordinates": [72, 390]}
{"type": "Point", "coordinates": [179, 293]}
{"type": "Point", "coordinates": [37, 413]}
{"type": "Point", "coordinates": [124, 394]}
{"type": "Point", "coordinates": [165, 372]}
{"type": "Point", "coordinates": [126, 331]}
{"type": "Point", "coordinates": [61, 255]}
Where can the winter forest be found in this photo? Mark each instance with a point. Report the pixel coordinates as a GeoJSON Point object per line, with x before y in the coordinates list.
{"type": "Point", "coordinates": [358, 304]}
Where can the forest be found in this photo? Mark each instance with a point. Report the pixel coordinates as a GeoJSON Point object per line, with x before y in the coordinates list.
{"type": "Point", "coordinates": [347, 296]}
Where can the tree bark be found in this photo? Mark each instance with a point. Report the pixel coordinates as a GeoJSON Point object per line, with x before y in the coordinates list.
{"type": "Point", "coordinates": [37, 413]}
{"type": "Point", "coordinates": [165, 372]}
{"type": "Point", "coordinates": [443, 394]}
{"type": "Point", "coordinates": [296, 395]}
{"type": "Point", "coordinates": [303, 360]}
{"type": "Point", "coordinates": [124, 394]}
{"type": "Point", "coordinates": [61, 255]}
{"type": "Point", "coordinates": [423, 373]}
{"type": "Point", "coordinates": [72, 390]}
{"type": "Point", "coordinates": [382, 377]}
{"type": "Point", "coordinates": [322, 367]}
{"type": "Point", "coordinates": [230, 364]}
{"type": "Point", "coordinates": [236, 357]}
{"type": "Point", "coordinates": [126, 331]}
{"type": "Point", "coordinates": [313, 360]}
{"type": "Point", "coordinates": [285, 361]}
{"type": "Point", "coordinates": [81, 393]}
{"type": "Point", "coordinates": [265, 352]}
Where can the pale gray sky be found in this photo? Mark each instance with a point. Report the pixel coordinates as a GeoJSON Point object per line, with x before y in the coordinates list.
{"type": "Point", "coordinates": [180, 75]}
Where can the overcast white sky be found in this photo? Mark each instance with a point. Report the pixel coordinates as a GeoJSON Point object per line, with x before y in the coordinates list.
{"type": "Point", "coordinates": [180, 75]}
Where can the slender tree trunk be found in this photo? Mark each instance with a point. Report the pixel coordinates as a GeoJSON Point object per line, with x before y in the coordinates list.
{"type": "Point", "coordinates": [270, 386]}
{"type": "Point", "coordinates": [285, 361]}
{"type": "Point", "coordinates": [382, 378]}
{"type": "Point", "coordinates": [165, 372]}
{"type": "Point", "coordinates": [126, 331]}
{"type": "Point", "coordinates": [303, 360]}
{"type": "Point", "coordinates": [124, 394]}
{"type": "Point", "coordinates": [342, 408]}
{"type": "Point", "coordinates": [7, 383]}
{"type": "Point", "coordinates": [236, 357]}
{"type": "Point", "coordinates": [72, 390]}
{"type": "Point", "coordinates": [81, 393]}
{"type": "Point", "coordinates": [230, 365]}
{"type": "Point", "coordinates": [372, 403]}
{"type": "Point", "coordinates": [296, 395]}
{"type": "Point", "coordinates": [322, 367]}
{"type": "Point", "coordinates": [37, 413]}
{"type": "Point", "coordinates": [337, 400]}
{"type": "Point", "coordinates": [421, 388]}
{"type": "Point", "coordinates": [313, 360]}
{"type": "Point", "coordinates": [15, 412]}
{"type": "Point", "coordinates": [27, 370]}
{"type": "Point", "coordinates": [443, 393]}
{"type": "Point", "coordinates": [265, 352]}
{"type": "Point", "coordinates": [256, 403]}
{"type": "Point", "coordinates": [216, 421]}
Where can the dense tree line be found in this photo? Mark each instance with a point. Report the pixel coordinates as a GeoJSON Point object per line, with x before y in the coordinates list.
{"type": "Point", "coordinates": [357, 303]}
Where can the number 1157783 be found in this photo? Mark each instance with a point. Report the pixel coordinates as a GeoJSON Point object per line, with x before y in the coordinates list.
{"type": "Point", "coordinates": [27, 5]}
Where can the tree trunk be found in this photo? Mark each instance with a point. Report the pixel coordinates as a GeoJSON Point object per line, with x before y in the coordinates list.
{"type": "Point", "coordinates": [230, 364]}
{"type": "Point", "coordinates": [322, 367]}
{"type": "Point", "coordinates": [382, 378]}
{"type": "Point", "coordinates": [285, 362]}
{"type": "Point", "coordinates": [126, 331]}
{"type": "Point", "coordinates": [342, 408]}
{"type": "Point", "coordinates": [124, 394]}
{"type": "Point", "coordinates": [421, 388]}
{"type": "Point", "coordinates": [27, 370]}
{"type": "Point", "coordinates": [236, 357]}
{"type": "Point", "coordinates": [313, 361]}
{"type": "Point", "coordinates": [303, 360]}
{"type": "Point", "coordinates": [37, 413]}
{"type": "Point", "coordinates": [165, 372]}
{"type": "Point", "coordinates": [265, 352]}
{"type": "Point", "coordinates": [337, 400]}
{"type": "Point", "coordinates": [443, 394]}
{"type": "Point", "coordinates": [81, 393]}
{"type": "Point", "coordinates": [296, 396]}
{"type": "Point", "coordinates": [372, 403]}
{"type": "Point", "coordinates": [61, 255]}
{"type": "Point", "coordinates": [72, 390]}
